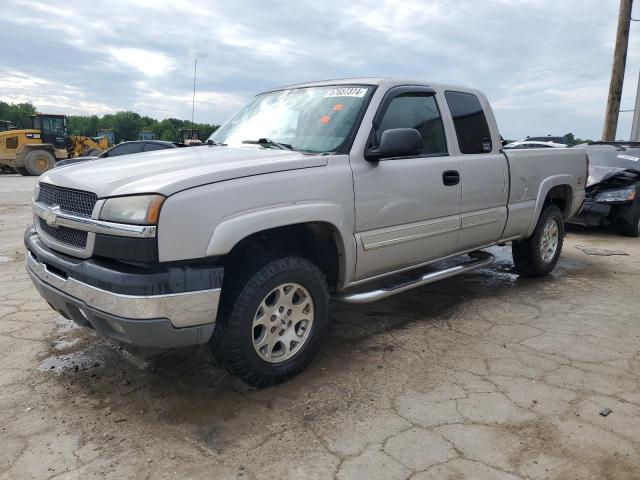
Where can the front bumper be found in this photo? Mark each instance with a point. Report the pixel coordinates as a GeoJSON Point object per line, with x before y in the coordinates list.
{"type": "Point", "coordinates": [592, 214]}
{"type": "Point", "coordinates": [160, 306]}
{"type": "Point", "coordinates": [595, 214]}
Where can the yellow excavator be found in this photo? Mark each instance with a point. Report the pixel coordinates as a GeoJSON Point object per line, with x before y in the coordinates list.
{"type": "Point", "coordinates": [34, 151]}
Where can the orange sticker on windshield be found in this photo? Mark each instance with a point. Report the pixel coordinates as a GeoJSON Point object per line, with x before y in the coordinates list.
{"type": "Point", "coordinates": [337, 107]}
{"type": "Point", "coordinates": [325, 119]}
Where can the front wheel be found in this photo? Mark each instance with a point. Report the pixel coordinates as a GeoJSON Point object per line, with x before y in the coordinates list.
{"type": "Point", "coordinates": [538, 255]}
{"type": "Point", "coordinates": [272, 320]}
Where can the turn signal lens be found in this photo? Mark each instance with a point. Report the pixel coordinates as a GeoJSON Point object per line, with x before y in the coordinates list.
{"type": "Point", "coordinates": [153, 212]}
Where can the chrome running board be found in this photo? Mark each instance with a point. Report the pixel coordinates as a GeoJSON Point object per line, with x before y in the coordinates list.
{"type": "Point", "coordinates": [479, 259]}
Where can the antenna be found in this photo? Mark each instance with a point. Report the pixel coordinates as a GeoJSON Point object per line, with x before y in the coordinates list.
{"type": "Point", "coordinates": [193, 100]}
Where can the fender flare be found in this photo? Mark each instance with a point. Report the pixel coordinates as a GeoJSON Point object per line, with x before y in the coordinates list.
{"type": "Point", "coordinates": [545, 187]}
{"type": "Point", "coordinates": [232, 230]}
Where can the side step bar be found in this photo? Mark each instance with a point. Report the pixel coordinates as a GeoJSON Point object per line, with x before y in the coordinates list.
{"type": "Point", "coordinates": [479, 259]}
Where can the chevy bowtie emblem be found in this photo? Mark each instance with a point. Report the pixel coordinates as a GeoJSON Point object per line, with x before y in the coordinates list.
{"type": "Point", "coordinates": [51, 215]}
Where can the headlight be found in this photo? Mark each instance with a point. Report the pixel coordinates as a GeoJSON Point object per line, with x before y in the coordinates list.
{"type": "Point", "coordinates": [135, 209]}
{"type": "Point", "coordinates": [625, 195]}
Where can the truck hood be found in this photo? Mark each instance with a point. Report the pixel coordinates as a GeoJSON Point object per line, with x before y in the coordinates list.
{"type": "Point", "coordinates": [170, 171]}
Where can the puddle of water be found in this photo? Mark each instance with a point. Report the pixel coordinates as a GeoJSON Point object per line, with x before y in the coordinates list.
{"type": "Point", "coordinates": [97, 355]}
{"type": "Point", "coordinates": [70, 362]}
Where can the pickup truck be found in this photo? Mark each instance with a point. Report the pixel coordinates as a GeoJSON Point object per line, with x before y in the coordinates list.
{"type": "Point", "coordinates": [309, 192]}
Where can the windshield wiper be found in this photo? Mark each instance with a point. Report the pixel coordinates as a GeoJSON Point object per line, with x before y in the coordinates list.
{"type": "Point", "coordinates": [269, 142]}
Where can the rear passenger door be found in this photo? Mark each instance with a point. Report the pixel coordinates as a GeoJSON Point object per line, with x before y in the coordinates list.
{"type": "Point", "coordinates": [407, 209]}
{"type": "Point", "coordinates": [484, 170]}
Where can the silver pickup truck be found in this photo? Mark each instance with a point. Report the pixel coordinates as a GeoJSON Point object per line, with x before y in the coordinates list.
{"type": "Point", "coordinates": [308, 192]}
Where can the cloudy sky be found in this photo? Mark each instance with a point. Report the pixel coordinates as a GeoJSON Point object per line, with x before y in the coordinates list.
{"type": "Point", "coordinates": [545, 64]}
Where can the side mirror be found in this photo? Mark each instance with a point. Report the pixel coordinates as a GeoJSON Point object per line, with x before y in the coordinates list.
{"type": "Point", "coordinates": [396, 142]}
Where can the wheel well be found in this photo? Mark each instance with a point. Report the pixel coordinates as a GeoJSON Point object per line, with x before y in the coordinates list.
{"type": "Point", "coordinates": [316, 241]}
{"type": "Point", "coordinates": [560, 195]}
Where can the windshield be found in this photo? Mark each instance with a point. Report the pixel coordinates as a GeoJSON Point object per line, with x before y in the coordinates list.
{"type": "Point", "coordinates": [53, 125]}
{"type": "Point", "coordinates": [311, 119]}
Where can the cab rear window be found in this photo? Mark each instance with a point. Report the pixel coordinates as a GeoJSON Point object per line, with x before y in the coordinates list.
{"type": "Point", "coordinates": [470, 122]}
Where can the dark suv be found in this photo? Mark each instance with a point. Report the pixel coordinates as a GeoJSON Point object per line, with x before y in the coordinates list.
{"type": "Point", "coordinates": [613, 187]}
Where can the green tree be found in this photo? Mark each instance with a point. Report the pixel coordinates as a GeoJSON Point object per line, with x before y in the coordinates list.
{"type": "Point", "coordinates": [19, 114]}
{"type": "Point", "coordinates": [127, 124]}
{"type": "Point", "coordinates": [571, 140]}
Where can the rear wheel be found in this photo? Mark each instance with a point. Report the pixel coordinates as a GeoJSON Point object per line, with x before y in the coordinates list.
{"type": "Point", "coordinates": [37, 162]}
{"type": "Point", "coordinates": [272, 319]}
{"type": "Point", "coordinates": [539, 254]}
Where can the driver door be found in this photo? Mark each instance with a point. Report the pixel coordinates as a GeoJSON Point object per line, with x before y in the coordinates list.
{"type": "Point", "coordinates": [407, 209]}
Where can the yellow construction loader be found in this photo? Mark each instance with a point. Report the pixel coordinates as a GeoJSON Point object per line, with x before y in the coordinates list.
{"type": "Point", "coordinates": [190, 136]}
{"type": "Point", "coordinates": [81, 146]}
{"type": "Point", "coordinates": [34, 151]}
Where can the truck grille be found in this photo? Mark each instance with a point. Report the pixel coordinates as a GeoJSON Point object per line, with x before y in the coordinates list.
{"type": "Point", "coordinates": [69, 200]}
{"type": "Point", "coordinates": [69, 236]}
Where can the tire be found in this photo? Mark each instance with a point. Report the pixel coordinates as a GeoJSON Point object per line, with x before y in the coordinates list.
{"type": "Point", "coordinates": [22, 171]}
{"type": "Point", "coordinates": [37, 162]}
{"type": "Point", "coordinates": [91, 152]}
{"type": "Point", "coordinates": [632, 229]}
{"type": "Point", "coordinates": [258, 292]}
{"type": "Point", "coordinates": [530, 257]}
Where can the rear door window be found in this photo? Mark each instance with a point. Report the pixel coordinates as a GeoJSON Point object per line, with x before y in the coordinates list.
{"type": "Point", "coordinates": [470, 123]}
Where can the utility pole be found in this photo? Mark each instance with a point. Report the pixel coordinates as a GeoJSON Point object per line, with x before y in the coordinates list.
{"type": "Point", "coordinates": [193, 100]}
{"type": "Point", "coordinates": [617, 71]}
{"type": "Point", "coordinates": [635, 127]}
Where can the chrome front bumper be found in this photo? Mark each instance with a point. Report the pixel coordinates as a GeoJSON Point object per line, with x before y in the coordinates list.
{"type": "Point", "coordinates": [163, 320]}
{"type": "Point", "coordinates": [181, 309]}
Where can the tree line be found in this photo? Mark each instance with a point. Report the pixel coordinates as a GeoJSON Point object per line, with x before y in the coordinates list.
{"type": "Point", "coordinates": [126, 124]}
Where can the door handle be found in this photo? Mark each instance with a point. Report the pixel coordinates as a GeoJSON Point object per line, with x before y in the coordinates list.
{"type": "Point", "coordinates": [450, 177]}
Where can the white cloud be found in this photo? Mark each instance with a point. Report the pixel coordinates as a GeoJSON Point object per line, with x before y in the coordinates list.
{"type": "Point", "coordinates": [146, 61]}
{"type": "Point", "coordinates": [48, 96]}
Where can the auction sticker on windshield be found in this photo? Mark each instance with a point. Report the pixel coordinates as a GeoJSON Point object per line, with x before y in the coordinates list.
{"type": "Point", "coordinates": [346, 92]}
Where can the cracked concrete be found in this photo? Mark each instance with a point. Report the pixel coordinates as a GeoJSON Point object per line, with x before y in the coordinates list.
{"type": "Point", "coordinates": [485, 376]}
